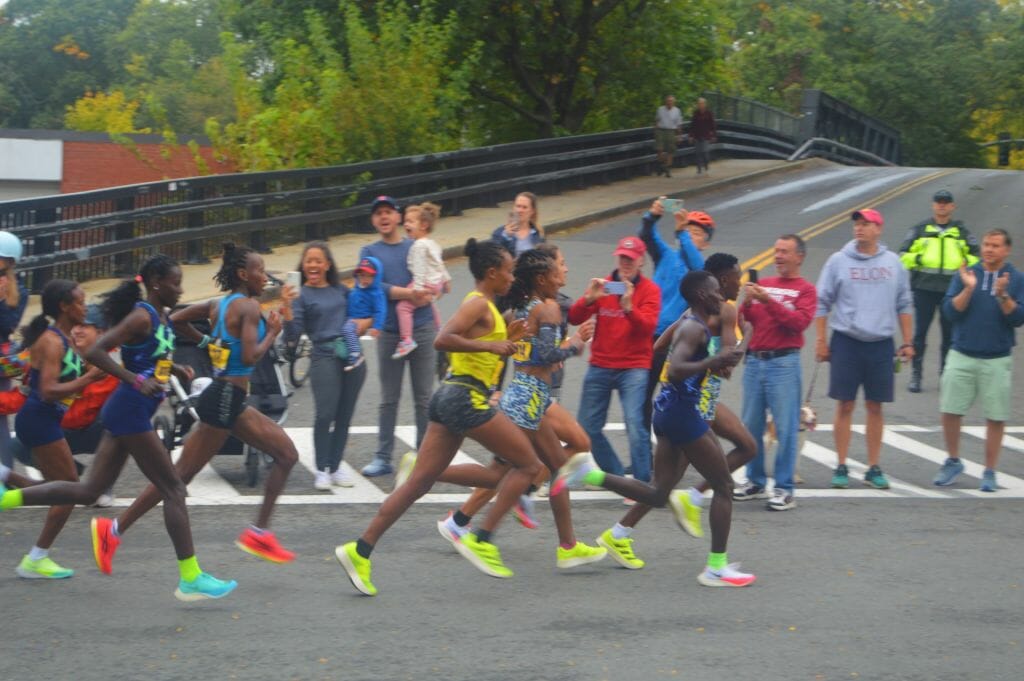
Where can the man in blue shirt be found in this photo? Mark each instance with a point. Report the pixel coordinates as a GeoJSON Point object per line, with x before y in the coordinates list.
{"type": "Point", "coordinates": [392, 250]}
{"type": "Point", "coordinates": [693, 231]}
{"type": "Point", "coordinates": [986, 305]}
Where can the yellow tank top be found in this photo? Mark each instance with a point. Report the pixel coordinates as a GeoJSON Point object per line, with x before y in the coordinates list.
{"type": "Point", "coordinates": [483, 366]}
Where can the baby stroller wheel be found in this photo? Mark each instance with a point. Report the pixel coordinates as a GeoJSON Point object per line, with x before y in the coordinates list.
{"type": "Point", "coordinates": [165, 431]}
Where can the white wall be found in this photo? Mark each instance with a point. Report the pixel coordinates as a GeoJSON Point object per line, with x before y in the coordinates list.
{"type": "Point", "coordinates": [32, 160]}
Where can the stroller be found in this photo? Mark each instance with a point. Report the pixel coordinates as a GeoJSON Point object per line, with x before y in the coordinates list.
{"type": "Point", "coordinates": [267, 393]}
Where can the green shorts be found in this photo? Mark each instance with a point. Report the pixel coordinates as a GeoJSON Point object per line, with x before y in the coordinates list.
{"type": "Point", "coordinates": [665, 140]}
{"type": "Point", "coordinates": [966, 378]}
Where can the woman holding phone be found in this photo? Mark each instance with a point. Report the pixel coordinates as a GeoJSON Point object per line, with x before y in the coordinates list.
{"type": "Point", "coordinates": [318, 307]}
{"type": "Point", "coordinates": [523, 230]}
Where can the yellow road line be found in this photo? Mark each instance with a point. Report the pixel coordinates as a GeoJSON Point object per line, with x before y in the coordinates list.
{"type": "Point", "coordinates": [764, 258]}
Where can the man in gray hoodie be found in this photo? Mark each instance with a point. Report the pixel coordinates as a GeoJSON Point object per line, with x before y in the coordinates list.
{"type": "Point", "coordinates": [867, 290]}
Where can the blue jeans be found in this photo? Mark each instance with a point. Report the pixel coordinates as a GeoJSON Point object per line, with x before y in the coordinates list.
{"type": "Point", "coordinates": [775, 385]}
{"type": "Point", "coordinates": [598, 385]}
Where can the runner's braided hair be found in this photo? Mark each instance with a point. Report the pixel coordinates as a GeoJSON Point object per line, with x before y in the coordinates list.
{"type": "Point", "coordinates": [119, 302]}
{"type": "Point", "coordinates": [529, 265]}
{"type": "Point", "coordinates": [235, 258]}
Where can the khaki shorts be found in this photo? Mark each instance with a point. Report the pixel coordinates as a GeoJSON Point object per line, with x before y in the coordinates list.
{"type": "Point", "coordinates": [966, 378]}
{"type": "Point", "coordinates": [665, 140]}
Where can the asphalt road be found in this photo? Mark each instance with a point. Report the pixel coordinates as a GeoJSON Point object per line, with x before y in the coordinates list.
{"type": "Point", "coordinates": [913, 584]}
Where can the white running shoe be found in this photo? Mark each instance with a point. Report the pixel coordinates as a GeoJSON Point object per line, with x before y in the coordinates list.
{"type": "Point", "coordinates": [450, 531]}
{"type": "Point", "coordinates": [322, 481]}
{"type": "Point", "coordinates": [571, 474]}
{"type": "Point", "coordinates": [340, 478]}
{"type": "Point", "coordinates": [727, 576]}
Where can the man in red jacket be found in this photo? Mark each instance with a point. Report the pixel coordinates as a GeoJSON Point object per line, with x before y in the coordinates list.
{"type": "Point", "coordinates": [780, 310]}
{"type": "Point", "coordinates": [626, 304]}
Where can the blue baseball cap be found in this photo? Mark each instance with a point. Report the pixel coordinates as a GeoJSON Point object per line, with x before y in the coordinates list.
{"type": "Point", "coordinates": [94, 316]}
{"type": "Point", "coordinates": [384, 201]}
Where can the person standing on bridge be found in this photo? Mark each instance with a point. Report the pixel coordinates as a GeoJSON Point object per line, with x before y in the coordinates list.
{"type": "Point", "coordinates": [703, 132]}
{"type": "Point", "coordinates": [867, 291]}
{"type": "Point", "coordinates": [985, 303]}
{"type": "Point", "coordinates": [668, 125]}
{"type": "Point", "coordinates": [392, 251]}
{"type": "Point", "coordinates": [934, 251]}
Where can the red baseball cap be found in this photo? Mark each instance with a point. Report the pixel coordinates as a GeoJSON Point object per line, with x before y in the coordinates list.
{"type": "Point", "coordinates": [869, 214]}
{"type": "Point", "coordinates": [366, 265]}
{"type": "Point", "coordinates": [631, 247]}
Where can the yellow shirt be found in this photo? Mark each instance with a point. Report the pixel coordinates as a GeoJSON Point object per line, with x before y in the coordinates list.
{"type": "Point", "coordinates": [483, 366]}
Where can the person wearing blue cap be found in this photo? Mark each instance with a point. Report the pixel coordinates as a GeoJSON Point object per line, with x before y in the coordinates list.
{"type": "Point", "coordinates": [934, 251]}
{"type": "Point", "coordinates": [392, 252]}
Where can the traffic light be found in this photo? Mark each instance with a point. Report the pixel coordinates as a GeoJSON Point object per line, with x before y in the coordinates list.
{"type": "Point", "coordinates": [1004, 149]}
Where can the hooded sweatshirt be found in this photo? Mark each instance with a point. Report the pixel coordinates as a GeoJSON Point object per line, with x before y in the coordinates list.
{"type": "Point", "coordinates": [369, 302]}
{"type": "Point", "coordinates": [982, 330]}
{"type": "Point", "coordinates": [865, 293]}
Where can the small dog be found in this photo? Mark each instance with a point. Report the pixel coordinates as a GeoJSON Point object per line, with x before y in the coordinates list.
{"type": "Point", "coordinates": [808, 422]}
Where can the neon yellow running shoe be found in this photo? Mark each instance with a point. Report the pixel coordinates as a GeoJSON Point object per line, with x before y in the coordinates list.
{"type": "Point", "coordinates": [580, 554]}
{"type": "Point", "coordinates": [485, 556]}
{"type": "Point", "coordinates": [357, 567]}
{"type": "Point", "coordinates": [44, 568]}
{"type": "Point", "coordinates": [621, 550]}
{"type": "Point", "coordinates": [405, 466]}
{"type": "Point", "coordinates": [688, 514]}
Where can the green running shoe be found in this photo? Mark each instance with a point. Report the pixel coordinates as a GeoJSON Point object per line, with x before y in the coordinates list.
{"type": "Point", "coordinates": [202, 587]}
{"type": "Point", "coordinates": [44, 568]}
{"type": "Point", "coordinates": [580, 554]}
{"type": "Point", "coordinates": [841, 477]}
{"type": "Point", "coordinates": [357, 568]}
{"type": "Point", "coordinates": [688, 514]}
{"type": "Point", "coordinates": [485, 556]}
{"type": "Point", "coordinates": [876, 478]}
{"type": "Point", "coordinates": [621, 550]}
{"type": "Point", "coordinates": [405, 466]}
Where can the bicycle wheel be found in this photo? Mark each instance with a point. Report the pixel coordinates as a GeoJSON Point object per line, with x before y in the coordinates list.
{"type": "Point", "coordinates": [298, 367]}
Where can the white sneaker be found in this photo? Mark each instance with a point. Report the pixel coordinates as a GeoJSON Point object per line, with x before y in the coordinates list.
{"type": "Point", "coordinates": [730, 575]}
{"type": "Point", "coordinates": [341, 479]}
{"type": "Point", "coordinates": [105, 500]}
{"type": "Point", "coordinates": [322, 481]}
{"type": "Point", "coordinates": [543, 491]}
{"type": "Point", "coordinates": [449, 530]}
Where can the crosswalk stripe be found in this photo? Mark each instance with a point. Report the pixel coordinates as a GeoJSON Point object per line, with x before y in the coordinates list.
{"type": "Point", "coordinates": [827, 457]}
{"type": "Point", "coordinates": [938, 456]}
{"type": "Point", "coordinates": [1009, 441]}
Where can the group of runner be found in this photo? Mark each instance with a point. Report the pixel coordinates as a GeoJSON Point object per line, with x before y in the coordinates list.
{"type": "Point", "coordinates": [511, 315]}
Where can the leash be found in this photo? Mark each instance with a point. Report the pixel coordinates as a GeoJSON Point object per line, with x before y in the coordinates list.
{"type": "Point", "coordinates": [814, 379]}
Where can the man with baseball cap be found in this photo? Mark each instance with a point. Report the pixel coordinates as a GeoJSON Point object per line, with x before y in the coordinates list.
{"type": "Point", "coordinates": [934, 251]}
{"type": "Point", "coordinates": [392, 252]}
{"type": "Point", "coordinates": [867, 292]}
{"type": "Point", "coordinates": [626, 304]}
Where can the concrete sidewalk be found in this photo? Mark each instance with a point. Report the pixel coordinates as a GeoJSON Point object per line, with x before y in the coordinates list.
{"type": "Point", "coordinates": [558, 212]}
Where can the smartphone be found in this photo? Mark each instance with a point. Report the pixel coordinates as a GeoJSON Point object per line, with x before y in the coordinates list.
{"type": "Point", "coordinates": [752, 275]}
{"type": "Point", "coordinates": [293, 279]}
{"type": "Point", "coordinates": [615, 288]}
{"type": "Point", "coordinates": [672, 206]}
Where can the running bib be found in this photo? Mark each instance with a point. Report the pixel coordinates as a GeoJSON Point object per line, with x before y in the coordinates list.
{"type": "Point", "coordinates": [523, 351]}
{"type": "Point", "coordinates": [162, 372]}
{"type": "Point", "coordinates": [218, 356]}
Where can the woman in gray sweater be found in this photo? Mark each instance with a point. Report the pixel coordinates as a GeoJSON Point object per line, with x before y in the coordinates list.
{"type": "Point", "coordinates": [319, 309]}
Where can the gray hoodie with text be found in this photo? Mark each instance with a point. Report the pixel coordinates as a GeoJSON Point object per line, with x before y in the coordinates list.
{"type": "Point", "coordinates": [864, 293]}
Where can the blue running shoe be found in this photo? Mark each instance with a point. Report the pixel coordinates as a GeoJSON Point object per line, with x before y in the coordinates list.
{"type": "Point", "coordinates": [204, 586]}
{"type": "Point", "coordinates": [947, 474]}
{"type": "Point", "coordinates": [988, 481]}
{"type": "Point", "coordinates": [377, 468]}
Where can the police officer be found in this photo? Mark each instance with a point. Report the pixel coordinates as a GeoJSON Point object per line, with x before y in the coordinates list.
{"type": "Point", "coordinates": [934, 251]}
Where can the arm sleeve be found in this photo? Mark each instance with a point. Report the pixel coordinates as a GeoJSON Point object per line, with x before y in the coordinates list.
{"type": "Point", "coordinates": [908, 250]}
{"type": "Point", "coordinates": [547, 349]}
{"type": "Point", "coordinates": [955, 287]}
{"type": "Point", "coordinates": [826, 290]}
{"type": "Point", "coordinates": [904, 298]}
{"type": "Point", "coordinates": [649, 235]}
{"type": "Point", "coordinates": [796, 320]}
{"type": "Point", "coordinates": [581, 312]}
{"type": "Point", "coordinates": [689, 253]}
{"type": "Point", "coordinates": [1016, 318]}
{"type": "Point", "coordinates": [295, 328]}
{"type": "Point", "coordinates": [645, 311]}
{"type": "Point", "coordinates": [380, 311]}
{"type": "Point", "coordinates": [418, 264]}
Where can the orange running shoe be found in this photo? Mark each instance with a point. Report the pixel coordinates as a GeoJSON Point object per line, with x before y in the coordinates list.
{"type": "Point", "coordinates": [263, 545]}
{"type": "Point", "coordinates": [104, 544]}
